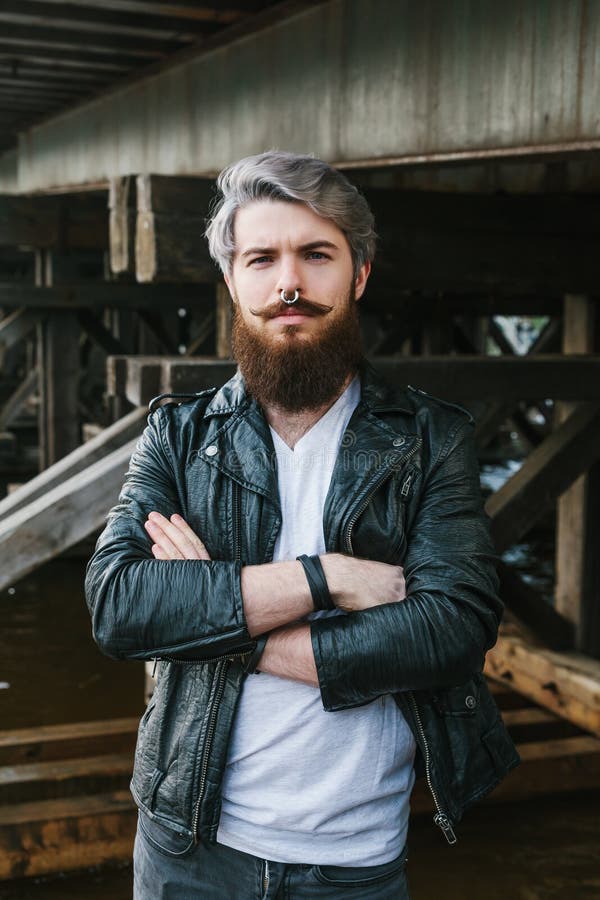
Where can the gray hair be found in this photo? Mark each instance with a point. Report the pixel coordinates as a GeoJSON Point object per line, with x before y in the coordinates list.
{"type": "Point", "coordinates": [279, 175]}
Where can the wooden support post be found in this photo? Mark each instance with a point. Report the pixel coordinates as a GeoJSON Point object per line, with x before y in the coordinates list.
{"type": "Point", "coordinates": [121, 227]}
{"type": "Point", "coordinates": [58, 366]}
{"type": "Point", "coordinates": [578, 515]}
{"type": "Point", "coordinates": [223, 313]}
{"type": "Point", "coordinates": [18, 399]}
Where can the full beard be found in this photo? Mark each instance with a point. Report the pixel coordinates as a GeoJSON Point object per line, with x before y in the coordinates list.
{"type": "Point", "coordinates": [297, 375]}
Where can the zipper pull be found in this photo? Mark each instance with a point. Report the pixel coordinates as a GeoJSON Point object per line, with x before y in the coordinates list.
{"type": "Point", "coordinates": [443, 822]}
{"type": "Point", "coordinates": [406, 486]}
{"type": "Point", "coordinates": [154, 666]}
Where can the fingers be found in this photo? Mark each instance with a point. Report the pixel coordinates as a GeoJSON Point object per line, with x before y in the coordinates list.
{"type": "Point", "coordinates": [173, 538]}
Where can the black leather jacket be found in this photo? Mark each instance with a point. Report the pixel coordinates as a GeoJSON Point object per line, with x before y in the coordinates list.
{"type": "Point", "coordinates": [405, 490]}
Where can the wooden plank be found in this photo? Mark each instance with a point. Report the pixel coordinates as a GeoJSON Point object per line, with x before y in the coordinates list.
{"type": "Point", "coordinates": [102, 294]}
{"type": "Point", "coordinates": [58, 354]}
{"type": "Point", "coordinates": [121, 432]}
{"type": "Point", "coordinates": [577, 563]}
{"type": "Point", "coordinates": [55, 779]}
{"type": "Point", "coordinates": [60, 518]}
{"type": "Point", "coordinates": [533, 724]}
{"type": "Point", "coordinates": [567, 684]}
{"type": "Point", "coordinates": [60, 835]}
{"type": "Point", "coordinates": [65, 741]}
{"type": "Point", "coordinates": [169, 240]}
{"type": "Point", "coordinates": [141, 378]}
{"type": "Point", "coordinates": [548, 471]}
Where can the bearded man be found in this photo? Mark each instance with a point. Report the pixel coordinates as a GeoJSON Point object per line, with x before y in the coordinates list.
{"type": "Point", "coordinates": [305, 553]}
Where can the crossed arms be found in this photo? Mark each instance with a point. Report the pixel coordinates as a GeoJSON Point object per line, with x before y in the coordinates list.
{"type": "Point", "coordinates": [277, 594]}
{"type": "Point", "coordinates": [145, 604]}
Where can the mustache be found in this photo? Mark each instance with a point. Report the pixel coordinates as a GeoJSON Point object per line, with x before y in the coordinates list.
{"type": "Point", "coordinates": [311, 307]}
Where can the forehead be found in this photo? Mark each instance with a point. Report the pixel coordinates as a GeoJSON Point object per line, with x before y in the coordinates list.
{"type": "Point", "coordinates": [271, 223]}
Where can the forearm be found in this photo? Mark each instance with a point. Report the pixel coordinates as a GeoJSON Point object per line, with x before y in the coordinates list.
{"type": "Point", "coordinates": [288, 654]}
{"type": "Point", "coordinates": [274, 594]}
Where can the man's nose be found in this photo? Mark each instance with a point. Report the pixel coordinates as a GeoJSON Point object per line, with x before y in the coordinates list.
{"type": "Point", "coordinates": [290, 277]}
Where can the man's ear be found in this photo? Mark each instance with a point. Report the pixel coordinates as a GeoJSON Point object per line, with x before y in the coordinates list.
{"type": "Point", "coordinates": [227, 280]}
{"type": "Point", "coordinates": [360, 282]}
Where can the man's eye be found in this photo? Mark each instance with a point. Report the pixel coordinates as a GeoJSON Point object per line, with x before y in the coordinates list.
{"type": "Point", "coordinates": [260, 259]}
{"type": "Point", "coordinates": [316, 254]}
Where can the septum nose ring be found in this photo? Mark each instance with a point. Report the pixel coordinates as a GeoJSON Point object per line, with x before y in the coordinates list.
{"type": "Point", "coordinates": [296, 296]}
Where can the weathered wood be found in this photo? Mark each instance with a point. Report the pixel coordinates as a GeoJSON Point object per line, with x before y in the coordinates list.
{"type": "Point", "coordinates": [548, 471]}
{"type": "Point", "coordinates": [54, 779]}
{"type": "Point", "coordinates": [533, 611]}
{"type": "Point", "coordinates": [568, 684]}
{"type": "Point", "coordinates": [99, 334]}
{"type": "Point", "coordinates": [578, 514]}
{"type": "Point", "coordinates": [75, 221]}
{"type": "Point", "coordinates": [58, 349]}
{"type": "Point", "coordinates": [122, 217]}
{"type": "Point", "coordinates": [102, 294]}
{"type": "Point", "coordinates": [141, 378]}
{"type": "Point", "coordinates": [61, 517]}
{"type": "Point", "coordinates": [169, 242]}
{"type": "Point", "coordinates": [15, 327]}
{"type": "Point", "coordinates": [223, 320]}
{"type": "Point", "coordinates": [18, 399]}
{"type": "Point", "coordinates": [60, 835]}
{"type": "Point", "coordinates": [448, 377]}
{"type": "Point", "coordinates": [67, 741]}
{"type": "Point", "coordinates": [121, 432]}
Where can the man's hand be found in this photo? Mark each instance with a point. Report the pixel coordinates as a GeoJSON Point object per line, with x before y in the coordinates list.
{"type": "Point", "coordinates": [173, 538]}
{"type": "Point", "coordinates": [356, 584]}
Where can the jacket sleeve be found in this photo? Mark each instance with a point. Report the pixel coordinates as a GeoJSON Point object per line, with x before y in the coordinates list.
{"type": "Point", "coordinates": [438, 636]}
{"type": "Point", "coordinates": [142, 607]}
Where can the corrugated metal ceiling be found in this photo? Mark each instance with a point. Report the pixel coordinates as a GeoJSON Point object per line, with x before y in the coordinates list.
{"type": "Point", "coordinates": [54, 54]}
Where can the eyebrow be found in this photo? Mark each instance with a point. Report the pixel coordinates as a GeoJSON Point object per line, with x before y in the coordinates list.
{"type": "Point", "coordinates": [269, 251]}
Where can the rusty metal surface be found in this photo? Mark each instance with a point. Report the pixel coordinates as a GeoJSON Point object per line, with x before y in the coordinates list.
{"type": "Point", "coordinates": [438, 80]}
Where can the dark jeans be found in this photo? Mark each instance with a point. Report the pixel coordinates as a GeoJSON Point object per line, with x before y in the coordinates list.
{"type": "Point", "coordinates": [168, 866]}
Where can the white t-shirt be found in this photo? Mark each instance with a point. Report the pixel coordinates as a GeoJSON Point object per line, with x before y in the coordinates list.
{"type": "Point", "coordinates": [303, 785]}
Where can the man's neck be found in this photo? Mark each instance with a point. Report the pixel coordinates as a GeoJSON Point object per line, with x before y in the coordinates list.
{"type": "Point", "coordinates": [291, 426]}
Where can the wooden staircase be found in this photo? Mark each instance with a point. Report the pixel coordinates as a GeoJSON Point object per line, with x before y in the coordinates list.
{"type": "Point", "coordinates": [65, 802]}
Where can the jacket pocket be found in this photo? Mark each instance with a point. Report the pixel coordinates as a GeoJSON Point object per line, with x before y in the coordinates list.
{"type": "Point", "coordinates": [462, 701]}
{"type": "Point", "coordinates": [168, 841]}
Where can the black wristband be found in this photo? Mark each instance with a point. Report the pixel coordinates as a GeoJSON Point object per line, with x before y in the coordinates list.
{"type": "Point", "coordinates": [316, 582]}
{"type": "Point", "coordinates": [251, 665]}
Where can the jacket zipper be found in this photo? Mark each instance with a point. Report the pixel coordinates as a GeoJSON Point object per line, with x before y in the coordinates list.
{"type": "Point", "coordinates": [220, 674]}
{"type": "Point", "coordinates": [386, 474]}
{"type": "Point", "coordinates": [441, 819]}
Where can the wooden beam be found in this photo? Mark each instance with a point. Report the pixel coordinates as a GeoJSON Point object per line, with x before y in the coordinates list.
{"type": "Point", "coordinates": [454, 378]}
{"type": "Point", "coordinates": [578, 512]}
{"type": "Point", "coordinates": [223, 320]}
{"type": "Point", "coordinates": [75, 221]}
{"type": "Point", "coordinates": [122, 217]}
{"type": "Point", "coordinates": [141, 378]}
{"type": "Point", "coordinates": [59, 778]}
{"type": "Point", "coordinates": [170, 243]}
{"type": "Point", "coordinates": [59, 835]}
{"type": "Point", "coordinates": [67, 741]}
{"type": "Point", "coordinates": [110, 439]}
{"type": "Point", "coordinates": [505, 242]}
{"type": "Point", "coordinates": [99, 333]}
{"type": "Point", "coordinates": [567, 684]}
{"type": "Point", "coordinates": [62, 517]}
{"type": "Point", "coordinates": [534, 611]}
{"type": "Point", "coordinates": [16, 326]}
{"type": "Point", "coordinates": [58, 361]}
{"type": "Point", "coordinates": [548, 471]}
{"type": "Point", "coordinates": [18, 399]}
{"type": "Point", "coordinates": [103, 294]}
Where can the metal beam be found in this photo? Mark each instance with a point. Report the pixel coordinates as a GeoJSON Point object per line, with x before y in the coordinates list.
{"type": "Point", "coordinates": [414, 83]}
